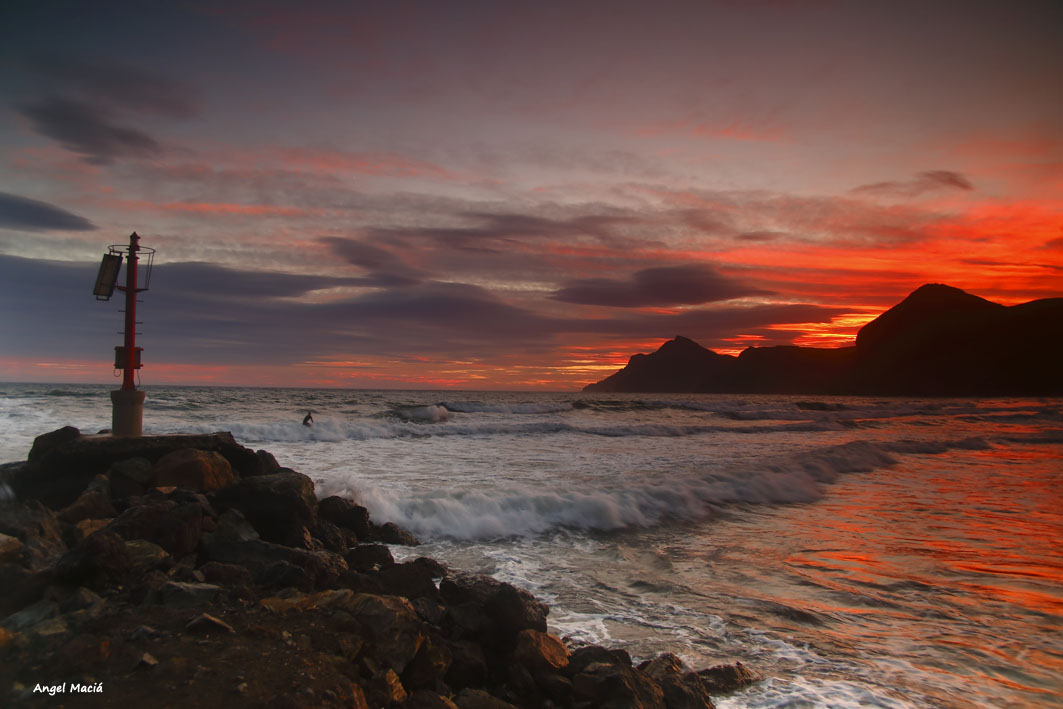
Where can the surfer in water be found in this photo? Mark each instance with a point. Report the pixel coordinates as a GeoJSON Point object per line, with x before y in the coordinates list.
{"type": "Point", "coordinates": [308, 419]}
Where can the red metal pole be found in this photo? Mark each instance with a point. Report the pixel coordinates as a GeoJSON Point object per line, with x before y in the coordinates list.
{"type": "Point", "coordinates": [131, 312]}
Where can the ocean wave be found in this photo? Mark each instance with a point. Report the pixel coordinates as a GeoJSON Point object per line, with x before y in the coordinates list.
{"type": "Point", "coordinates": [526, 510]}
{"type": "Point", "coordinates": [411, 424]}
{"type": "Point", "coordinates": [477, 407]}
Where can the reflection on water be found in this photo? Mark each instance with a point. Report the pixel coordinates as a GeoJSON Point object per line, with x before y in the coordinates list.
{"type": "Point", "coordinates": [942, 577]}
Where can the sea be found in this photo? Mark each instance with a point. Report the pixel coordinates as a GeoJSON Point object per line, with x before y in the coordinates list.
{"type": "Point", "coordinates": [855, 552]}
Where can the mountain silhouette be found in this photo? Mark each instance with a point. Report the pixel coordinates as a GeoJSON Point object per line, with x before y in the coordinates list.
{"type": "Point", "coordinates": [939, 341]}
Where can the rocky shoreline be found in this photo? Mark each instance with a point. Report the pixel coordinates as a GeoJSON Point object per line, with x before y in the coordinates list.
{"type": "Point", "coordinates": [171, 570]}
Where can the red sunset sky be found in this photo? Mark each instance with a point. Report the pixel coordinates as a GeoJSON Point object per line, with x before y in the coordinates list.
{"type": "Point", "coordinates": [512, 194]}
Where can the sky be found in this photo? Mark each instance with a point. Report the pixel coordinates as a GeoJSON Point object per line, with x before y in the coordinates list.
{"type": "Point", "coordinates": [511, 195]}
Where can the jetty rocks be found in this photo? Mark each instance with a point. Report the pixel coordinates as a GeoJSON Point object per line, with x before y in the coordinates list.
{"type": "Point", "coordinates": [187, 569]}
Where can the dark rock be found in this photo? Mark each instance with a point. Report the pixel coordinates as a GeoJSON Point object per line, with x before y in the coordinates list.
{"type": "Point", "coordinates": [19, 587]}
{"type": "Point", "coordinates": [226, 574]}
{"type": "Point", "coordinates": [47, 441]}
{"type": "Point", "coordinates": [31, 615]}
{"type": "Point", "coordinates": [36, 527]}
{"type": "Point", "coordinates": [174, 527]}
{"type": "Point", "coordinates": [429, 666]}
{"type": "Point", "coordinates": [391, 533]}
{"type": "Point", "coordinates": [608, 684]}
{"type": "Point", "coordinates": [92, 504]}
{"type": "Point", "coordinates": [283, 574]}
{"type": "Point", "coordinates": [468, 665]}
{"type": "Point", "coordinates": [369, 557]}
{"type": "Point", "coordinates": [384, 688]}
{"type": "Point", "coordinates": [232, 526]}
{"type": "Point", "coordinates": [433, 567]}
{"type": "Point", "coordinates": [146, 556]}
{"type": "Point", "coordinates": [345, 513]}
{"type": "Point", "coordinates": [322, 569]}
{"type": "Point", "coordinates": [395, 632]}
{"type": "Point", "coordinates": [279, 506]}
{"type": "Point", "coordinates": [478, 699]}
{"type": "Point", "coordinates": [81, 599]}
{"type": "Point", "coordinates": [594, 654]}
{"type": "Point", "coordinates": [99, 557]}
{"type": "Point", "coordinates": [267, 464]}
{"type": "Point", "coordinates": [331, 537]}
{"type": "Point", "coordinates": [725, 679]}
{"type": "Point", "coordinates": [10, 549]}
{"type": "Point", "coordinates": [411, 580]}
{"type": "Point", "coordinates": [192, 469]}
{"type": "Point", "coordinates": [682, 690]}
{"type": "Point", "coordinates": [130, 477]}
{"type": "Point", "coordinates": [425, 699]}
{"type": "Point", "coordinates": [542, 654]}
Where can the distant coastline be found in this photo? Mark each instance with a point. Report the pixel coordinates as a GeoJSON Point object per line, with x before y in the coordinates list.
{"type": "Point", "coordinates": [939, 341]}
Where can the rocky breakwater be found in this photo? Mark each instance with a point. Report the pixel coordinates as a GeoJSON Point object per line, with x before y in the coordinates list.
{"type": "Point", "coordinates": [172, 570]}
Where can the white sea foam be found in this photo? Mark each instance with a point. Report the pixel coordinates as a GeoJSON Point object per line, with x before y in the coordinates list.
{"type": "Point", "coordinates": [520, 510]}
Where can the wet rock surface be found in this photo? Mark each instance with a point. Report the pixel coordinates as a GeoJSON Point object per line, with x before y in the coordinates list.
{"type": "Point", "coordinates": [231, 584]}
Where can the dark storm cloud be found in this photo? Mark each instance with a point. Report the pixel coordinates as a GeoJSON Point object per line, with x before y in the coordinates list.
{"type": "Point", "coordinates": [24, 213]}
{"type": "Point", "coordinates": [927, 181]}
{"type": "Point", "coordinates": [85, 129]}
{"type": "Point", "coordinates": [385, 267]}
{"type": "Point", "coordinates": [501, 227]}
{"type": "Point", "coordinates": [199, 313]}
{"type": "Point", "coordinates": [120, 86]}
{"type": "Point", "coordinates": [662, 286]}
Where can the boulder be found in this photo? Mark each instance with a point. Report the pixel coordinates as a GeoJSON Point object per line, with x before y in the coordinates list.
{"type": "Point", "coordinates": [469, 698]}
{"type": "Point", "coordinates": [279, 506]}
{"type": "Point", "coordinates": [10, 549]}
{"type": "Point", "coordinates": [512, 609]}
{"type": "Point", "coordinates": [192, 469]}
{"type": "Point", "coordinates": [130, 477]}
{"type": "Point", "coordinates": [725, 679]}
{"type": "Point", "coordinates": [345, 513]}
{"type": "Point", "coordinates": [682, 689]}
{"type": "Point", "coordinates": [99, 557]}
{"type": "Point", "coordinates": [369, 557]}
{"type": "Point", "coordinates": [174, 527]}
{"type": "Point", "coordinates": [468, 665]}
{"type": "Point", "coordinates": [429, 666]}
{"type": "Point", "coordinates": [45, 442]}
{"type": "Point", "coordinates": [36, 527]}
{"type": "Point", "coordinates": [94, 503]}
{"type": "Point", "coordinates": [542, 654]}
{"type": "Point", "coordinates": [145, 556]}
{"type": "Point", "coordinates": [395, 632]}
{"type": "Point", "coordinates": [320, 569]}
{"type": "Point", "coordinates": [391, 533]}
{"type": "Point", "coordinates": [425, 699]}
{"type": "Point", "coordinates": [226, 574]}
{"type": "Point", "coordinates": [411, 580]}
{"type": "Point", "coordinates": [606, 684]}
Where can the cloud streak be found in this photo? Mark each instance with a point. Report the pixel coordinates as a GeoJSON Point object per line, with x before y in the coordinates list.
{"type": "Point", "coordinates": [24, 213]}
{"type": "Point", "coordinates": [662, 286]}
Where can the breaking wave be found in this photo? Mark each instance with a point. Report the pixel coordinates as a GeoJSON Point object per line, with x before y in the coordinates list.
{"type": "Point", "coordinates": [526, 510]}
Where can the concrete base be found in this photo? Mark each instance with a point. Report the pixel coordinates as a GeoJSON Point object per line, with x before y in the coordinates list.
{"type": "Point", "coordinates": [127, 412]}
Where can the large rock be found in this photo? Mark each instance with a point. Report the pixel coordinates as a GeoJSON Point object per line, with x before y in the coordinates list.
{"type": "Point", "coordinates": [682, 689]}
{"type": "Point", "coordinates": [94, 503]}
{"type": "Point", "coordinates": [511, 608]}
{"type": "Point", "coordinates": [45, 442]}
{"type": "Point", "coordinates": [192, 469]}
{"type": "Point", "coordinates": [541, 653]}
{"type": "Point", "coordinates": [64, 464]}
{"type": "Point", "coordinates": [725, 679]}
{"type": "Point", "coordinates": [36, 527]}
{"type": "Point", "coordinates": [174, 527]}
{"type": "Point", "coordinates": [101, 557]}
{"type": "Point", "coordinates": [395, 632]}
{"type": "Point", "coordinates": [604, 684]}
{"type": "Point", "coordinates": [345, 513]}
{"type": "Point", "coordinates": [279, 506]}
{"type": "Point", "coordinates": [322, 569]}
